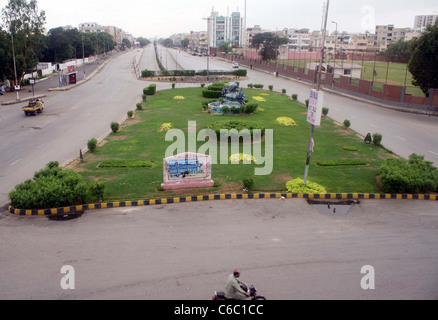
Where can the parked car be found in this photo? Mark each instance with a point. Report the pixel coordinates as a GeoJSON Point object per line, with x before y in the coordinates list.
{"type": "Point", "coordinates": [235, 64]}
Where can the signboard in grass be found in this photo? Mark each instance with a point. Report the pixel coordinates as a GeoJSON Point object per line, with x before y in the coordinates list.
{"type": "Point", "coordinates": [187, 170]}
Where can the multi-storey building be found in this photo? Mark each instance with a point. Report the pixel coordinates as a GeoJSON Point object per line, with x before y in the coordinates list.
{"type": "Point", "coordinates": [117, 33]}
{"type": "Point", "coordinates": [225, 29]}
{"type": "Point", "coordinates": [424, 21]}
{"type": "Point", "coordinates": [386, 35]}
{"type": "Point", "coordinates": [251, 32]}
{"type": "Point", "coordinates": [197, 40]}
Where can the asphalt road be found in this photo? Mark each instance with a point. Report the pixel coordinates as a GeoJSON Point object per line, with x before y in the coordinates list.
{"type": "Point", "coordinates": [69, 120]}
{"type": "Point", "coordinates": [287, 249]}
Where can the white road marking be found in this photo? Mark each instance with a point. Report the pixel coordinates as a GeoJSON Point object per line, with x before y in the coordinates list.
{"type": "Point", "coordinates": [354, 117]}
{"type": "Point", "coordinates": [401, 138]}
{"type": "Point", "coordinates": [374, 126]}
{"type": "Point", "coordinates": [12, 164]}
{"type": "Point", "coordinates": [434, 153]}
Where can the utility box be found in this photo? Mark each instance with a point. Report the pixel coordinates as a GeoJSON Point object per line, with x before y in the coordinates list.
{"type": "Point", "coordinates": [72, 78]}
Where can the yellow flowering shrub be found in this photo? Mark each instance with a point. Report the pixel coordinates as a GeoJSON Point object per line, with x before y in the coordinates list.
{"type": "Point", "coordinates": [241, 157]}
{"type": "Point", "coordinates": [259, 99]}
{"type": "Point", "coordinates": [298, 186]}
{"type": "Point", "coordinates": [178, 98]}
{"type": "Point", "coordinates": [165, 127]}
{"type": "Point", "coordinates": [286, 121]}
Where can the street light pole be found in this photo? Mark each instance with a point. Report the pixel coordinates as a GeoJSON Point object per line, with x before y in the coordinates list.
{"type": "Point", "coordinates": [336, 41]}
{"type": "Point", "coordinates": [83, 55]}
{"type": "Point", "coordinates": [13, 56]}
{"type": "Point", "coordinates": [318, 87]}
{"type": "Point", "coordinates": [208, 48]}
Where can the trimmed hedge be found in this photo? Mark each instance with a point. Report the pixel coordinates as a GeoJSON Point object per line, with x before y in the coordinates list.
{"type": "Point", "coordinates": [151, 90]}
{"type": "Point", "coordinates": [147, 73]}
{"type": "Point", "coordinates": [125, 164]}
{"type": "Point", "coordinates": [234, 124]}
{"type": "Point", "coordinates": [54, 187]}
{"type": "Point", "coordinates": [210, 94]}
{"type": "Point", "coordinates": [413, 176]}
{"type": "Point", "coordinates": [338, 163]}
{"type": "Point", "coordinates": [240, 72]}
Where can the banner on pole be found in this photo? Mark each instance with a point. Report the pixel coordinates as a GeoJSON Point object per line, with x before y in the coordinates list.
{"type": "Point", "coordinates": [314, 111]}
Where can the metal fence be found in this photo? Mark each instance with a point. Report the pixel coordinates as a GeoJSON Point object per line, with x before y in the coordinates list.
{"type": "Point", "coordinates": [360, 73]}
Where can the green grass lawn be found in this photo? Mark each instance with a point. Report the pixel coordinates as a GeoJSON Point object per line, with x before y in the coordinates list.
{"type": "Point", "coordinates": [397, 74]}
{"type": "Point", "coordinates": [140, 140]}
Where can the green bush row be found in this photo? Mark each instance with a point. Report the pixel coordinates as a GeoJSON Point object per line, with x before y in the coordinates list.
{"type": "Point", "coordinates": [54, 187]}
{"type": "Point", "coordinates": [413, 176]}
{"type": "Point", "coordinates": [234, 124]}
{"type": "Point", "coordinates": [337, 163]}
{"type": "Point", "coordinates": [246, 108]}
{"type": "Point", "coordinates": [210, 94]}
{"type": "Point", "coordinates": [147, 73]}
{"type": "Point", "coordinates": [125, 164]}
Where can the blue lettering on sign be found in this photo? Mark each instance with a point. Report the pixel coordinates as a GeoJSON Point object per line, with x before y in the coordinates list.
{"type": "Point", "coordinates": [182, 168]}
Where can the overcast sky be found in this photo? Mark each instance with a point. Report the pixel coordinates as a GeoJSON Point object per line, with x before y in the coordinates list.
{"type": "Point", "coordinates": [161, 18]}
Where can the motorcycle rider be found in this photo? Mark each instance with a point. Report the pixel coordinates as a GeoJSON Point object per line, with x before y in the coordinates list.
{"type": "Point", "coordinates": [233, 291]}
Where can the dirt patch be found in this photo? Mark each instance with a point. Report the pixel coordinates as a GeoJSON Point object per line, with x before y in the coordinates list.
{"type": "Point", "coordinates": [132, 121]}
{"type": "Point", "coordinates": [119, 138]}
{"type": "Point", "coordinates": [144, 154]}
{"type": "Point", "coordinates": [102, 143]}
{"type": "Point", "coordinates": [379, 182]}
{"type": "Point", "coordinates": [282, 178]}
{"type": "Point", "coordinates": [76, 166]}
{"type": "Point", "coordinates": [106, 179]}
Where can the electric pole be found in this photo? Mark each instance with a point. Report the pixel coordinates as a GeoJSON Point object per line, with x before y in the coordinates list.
{"type": "Point", "coordinates": [316, 97]}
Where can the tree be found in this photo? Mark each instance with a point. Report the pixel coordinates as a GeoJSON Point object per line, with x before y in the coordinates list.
{"type": "Point", "coordinates": [225, 47]}
{"type": "Point", "coordinates": [166, 42]}
{"type": "Point", "coordinates": [268, 43]}
{"type": "Point", "coordinates": [25, 22]}
{"type": "Point", "coordinates": [185, 43]}
{"type": "Point", "coordinates": [127, 43]}
{"type": "Point", "coordinates": [143, 41]}
{"type": "Point", "coordinates": [60, 45]}
{"type": "Point", "coordinates": [401, 51]}
{"type": "Point", "coordinates": [424, 62]}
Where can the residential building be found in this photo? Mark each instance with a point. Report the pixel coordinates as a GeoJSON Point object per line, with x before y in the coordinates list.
{"type": "Point", "coordinates": [117, 33]}
{"type": "Point", "coordinates": [225, 29]}
{"type": "Point", "coordinates": [197, 40]}
{"type": "Point", "coordinates": [413, 34]}
{"type": "Point", "coordinates": [425, 20]}
{"type": "Point", "coordinates": [251, 32]}
{"type": "Point", "coordinates": [388, 34]}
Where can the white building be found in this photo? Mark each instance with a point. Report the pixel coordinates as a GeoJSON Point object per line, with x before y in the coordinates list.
{"type": "Point", "coordinates": [413, 34]}
{"type": "Point", "coordinates": [225, 29]}
{"type": "Point", "coordinates": [117, 33]}
{"type": "Point", "coordinates": [424, 21]}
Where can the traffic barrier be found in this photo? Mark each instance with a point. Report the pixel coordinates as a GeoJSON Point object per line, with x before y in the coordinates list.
{"type": "Point", "coordinates": [238, 196]}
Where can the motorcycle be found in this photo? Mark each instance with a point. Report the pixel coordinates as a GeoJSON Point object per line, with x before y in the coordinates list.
{"type": "Point", "coordinates": [220, 295]}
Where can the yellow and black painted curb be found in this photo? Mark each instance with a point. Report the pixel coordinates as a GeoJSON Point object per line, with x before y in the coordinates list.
{"type": "Point", "coordinates": [121, 204]}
